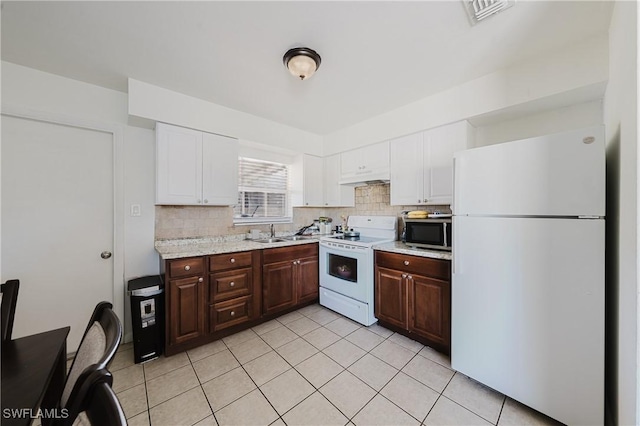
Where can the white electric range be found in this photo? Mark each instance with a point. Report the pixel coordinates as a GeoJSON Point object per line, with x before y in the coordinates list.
{"type": "Point", "coordinates": [347, 266]}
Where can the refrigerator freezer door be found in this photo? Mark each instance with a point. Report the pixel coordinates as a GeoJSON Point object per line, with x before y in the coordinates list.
{"type": "Point", "coordinates": [528, 311]}
{"type": "Point", "coordinates": [556, 175]}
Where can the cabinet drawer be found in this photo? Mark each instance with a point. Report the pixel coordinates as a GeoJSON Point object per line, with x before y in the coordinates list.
{"type": "Point", "coordinates": [229, 284]}
{"type": "Point", "coordinates": [435, 268]}
{"type": "Point", "coordinates": [186, 267]}
{"type": "Point", "coordinates": [229, 313]}
{"type": "Point", "coordinates": [281, 254]}
{"type": "Point", "coordinates": [220, 262]}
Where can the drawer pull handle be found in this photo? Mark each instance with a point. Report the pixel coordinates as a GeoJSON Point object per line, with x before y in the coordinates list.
{"type": "Point", "coordinates": [232, 313]}
{"type": "Point", "coordinates": [232, 260]}
{"type": "Point", "coordinates": [406, 262]}
{"type": "Point", "coordinates": [231, 284]}
{"type": "Point", "coordinates": [200, 279]}
{"type": "Point", "coordinates": [187, 268]}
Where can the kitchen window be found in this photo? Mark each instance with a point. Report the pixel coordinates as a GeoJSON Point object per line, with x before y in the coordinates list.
{"type": "Point", "coordinates": [263, 192]}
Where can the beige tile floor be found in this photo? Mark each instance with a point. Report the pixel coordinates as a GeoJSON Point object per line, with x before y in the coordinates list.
{"type": "Point", "coordinates": [309, 367]}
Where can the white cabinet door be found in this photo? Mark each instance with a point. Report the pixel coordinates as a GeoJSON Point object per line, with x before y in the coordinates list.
{"type": "Point", "coordinates": [406, 170]}
{"type": "Point", "coordinates": [439, 146]}
{"type": "Point", "coordinates": [306, 181]}
{"type": "Point", "coordinates": [350, 162]}
{"type": "Point", "coordinates": [195, 168]}
{"type": "Point", "coordinates": [367, 163]}
{"type": "Point", "coordinates": [312, 175]}
{"type": "Point", "coordinates": [376, 157]}
{"type": "Point", "coordinates": [219, 170]}
{"type": "Point", "coordinates": [178, 165]}
{"type": "Point", "coordinates": [336, 195]}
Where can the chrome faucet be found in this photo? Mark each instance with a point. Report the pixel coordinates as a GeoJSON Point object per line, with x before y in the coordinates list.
{"type": "Point", "coordinates": [273, 231]}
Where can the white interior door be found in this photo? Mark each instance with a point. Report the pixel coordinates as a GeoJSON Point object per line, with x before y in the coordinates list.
{"type": "Point", "coordinates": [57, 219]}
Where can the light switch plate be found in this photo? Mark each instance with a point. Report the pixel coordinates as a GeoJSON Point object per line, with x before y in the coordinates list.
{"type": "Point", "coordinates": [135, 210]}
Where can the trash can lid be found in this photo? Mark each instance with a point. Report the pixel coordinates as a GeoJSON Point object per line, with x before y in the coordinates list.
{"type": "Point", "coordinates": [145, 282]}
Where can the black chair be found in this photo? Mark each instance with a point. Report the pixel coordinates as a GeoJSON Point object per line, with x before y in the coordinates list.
{"type": "Point", "coordinates": [104, 409]}
{"type": "Point", "coordinates": [96, 351]}
{"type": "Point", "coordinates": [99, 405]}
{"type": "Point", "coordinates": [9, 301]}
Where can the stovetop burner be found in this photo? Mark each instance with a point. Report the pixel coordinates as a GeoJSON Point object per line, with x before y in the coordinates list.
{"type": "Point", "coordinates": [347, 237]}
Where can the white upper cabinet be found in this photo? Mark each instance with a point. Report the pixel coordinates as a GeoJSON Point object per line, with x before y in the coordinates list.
{"type": "Point", "coordinates": [406, 171]}
{"type": "Point", "coordinates": [306, 181]}
{"type": "Point", "coordinates": [195, 168]}
{"type": "Point", "coordinates": [336, 195]}
{"type": "Point", "coordinates": [422, 164]}
{"type": "Point", "coordinates": [363, 164]}
{"type": "Point", "coordinates": [314, 183]}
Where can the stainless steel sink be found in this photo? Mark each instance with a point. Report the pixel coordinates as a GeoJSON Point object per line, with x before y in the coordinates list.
{"type": "Point", "coordinates": [297, 237]}
{"type": "Point", "coordinates": [269, 240]}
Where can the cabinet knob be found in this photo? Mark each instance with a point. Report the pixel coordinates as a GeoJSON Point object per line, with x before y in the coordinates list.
{"type": "Point", "coordinates": [409, 277]}
{"type": "Point", "coordinates": [406, 263]}
{"type": "Point", "coordinates": [306, 204]}
{"type": "Point", "coordinates": [232, 260]}
{"type": "Point", "coordinates": [206, 201]}
{"type": "Point", "coordinates": [404, 275]}
{"type": "Point", "coordinates": [233, 313]}
{"type": "Point", "coordinates": [231, 284]}
{"type": "Point", "coordinates": [187, 268]}
{"type": "Point", "coordinates": [200, 279]}
{"type": "Point", "coordinates": [419, 201]}
{"type": "Point", "coordinates": [199, 201]}
{"type": "Point", "coordinates": [294, 262]}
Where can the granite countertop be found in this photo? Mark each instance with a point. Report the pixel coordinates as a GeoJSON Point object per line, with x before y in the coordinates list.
{"type": "Point", "coordinates": [190, 247]}
{"type": "Point", "coordinates": [400, 247]}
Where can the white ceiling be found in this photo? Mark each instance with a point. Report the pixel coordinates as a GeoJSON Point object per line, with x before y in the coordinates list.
{"type": "Point", "coordinates": [376, 56]}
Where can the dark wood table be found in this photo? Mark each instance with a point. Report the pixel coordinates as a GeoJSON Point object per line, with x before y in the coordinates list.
{"type": "Point", "coordinates": [34, 369]}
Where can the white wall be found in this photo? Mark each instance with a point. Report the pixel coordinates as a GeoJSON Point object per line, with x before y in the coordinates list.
{"type": "Point", "coordinates": [29, 89]}
{"type": "Point", "coordinates": [620, 112]}
{"type": "Point", "coordinates": [543, 123]}
{"type": "Point", "coordinates": [578, 67]}
{"type": "Point", "coordinates": [158, 104]}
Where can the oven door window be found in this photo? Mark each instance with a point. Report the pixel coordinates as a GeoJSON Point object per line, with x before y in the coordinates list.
{"type": "Point", "coordinates": [345, 268]}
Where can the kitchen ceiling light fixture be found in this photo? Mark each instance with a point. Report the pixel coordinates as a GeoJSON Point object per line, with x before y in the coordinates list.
{"type": "Point", "coordinates": [301, 62]}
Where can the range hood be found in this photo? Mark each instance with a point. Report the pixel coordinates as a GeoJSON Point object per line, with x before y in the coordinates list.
{"type": "Point", "coordinates": [370, 177]}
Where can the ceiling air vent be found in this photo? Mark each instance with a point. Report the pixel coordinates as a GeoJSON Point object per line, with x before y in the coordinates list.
{"type": "Point", "coordinates": [479, 10]}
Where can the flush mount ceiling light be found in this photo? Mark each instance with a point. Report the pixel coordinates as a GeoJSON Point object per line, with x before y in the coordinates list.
{"type": "Point", "coordinates": [482, 9]}
{"type": "Point", "coordinates": [301, 62]}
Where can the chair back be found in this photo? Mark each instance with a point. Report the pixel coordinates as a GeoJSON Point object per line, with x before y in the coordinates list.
{"type": "Point", "coordinates": [8, 307]}
{"type": "Point", "coordinates": [102, 407]}
{"type": "Point", "coordinates": [96, 351]}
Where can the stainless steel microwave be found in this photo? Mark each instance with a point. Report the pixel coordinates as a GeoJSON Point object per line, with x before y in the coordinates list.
{"type": "Point", "coordinates": [428, 233]}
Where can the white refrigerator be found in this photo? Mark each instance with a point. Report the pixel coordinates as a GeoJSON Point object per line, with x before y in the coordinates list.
{"type": "Point", "coordinates": [528, 271]}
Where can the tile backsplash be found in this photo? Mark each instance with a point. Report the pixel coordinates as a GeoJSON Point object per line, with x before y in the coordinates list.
{"type": "Point", "coordinates": [198, 221]}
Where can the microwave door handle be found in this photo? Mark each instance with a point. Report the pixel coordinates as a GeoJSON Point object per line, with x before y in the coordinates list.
{"type": "Point", "coordinates": [444, 229]}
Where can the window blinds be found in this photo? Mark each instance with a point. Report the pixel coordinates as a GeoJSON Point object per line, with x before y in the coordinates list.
{"type": "Point", "coordinates": [262, 191]}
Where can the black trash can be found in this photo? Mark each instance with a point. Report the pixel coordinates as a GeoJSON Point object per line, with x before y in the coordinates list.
{"type": "Point", "coordinates": [147, 317]}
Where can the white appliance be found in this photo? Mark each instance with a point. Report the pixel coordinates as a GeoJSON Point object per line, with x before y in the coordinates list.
{"type": "Point", "coordinates": [346, 266]}
{"type": "Point", "coordinates": [528, 271]}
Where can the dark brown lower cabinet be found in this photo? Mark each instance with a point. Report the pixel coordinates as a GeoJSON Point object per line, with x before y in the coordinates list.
{"type": "Point", "coordinates": [289, 277]}
{"type": "Point", "coordinates": [413, 295]}
{"type": "Point", "coordinates": [185, 297]}
{"type": "Point", "coordinates": [209, 297]}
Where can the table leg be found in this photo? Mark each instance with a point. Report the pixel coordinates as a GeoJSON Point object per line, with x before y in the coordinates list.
{"type": "Point", "coordinates": [53, 394]}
